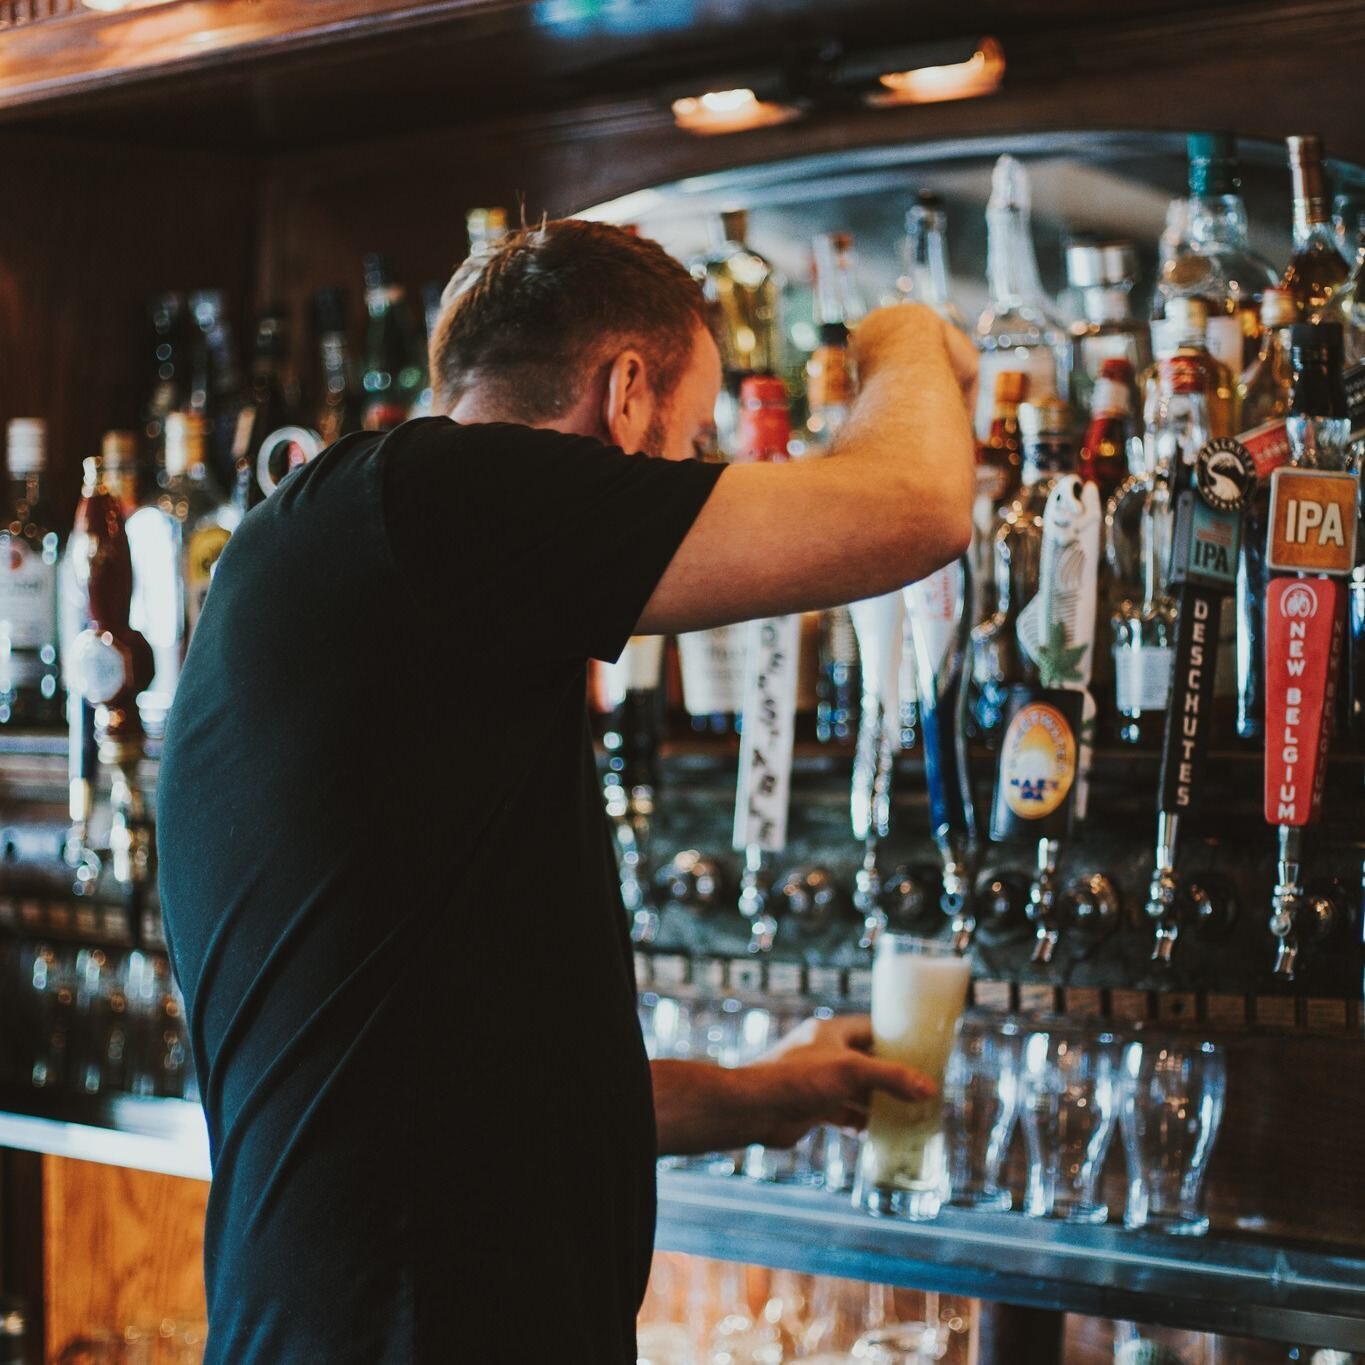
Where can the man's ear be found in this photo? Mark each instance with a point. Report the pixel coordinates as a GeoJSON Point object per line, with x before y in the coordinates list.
{"type": "Point", "coordinates": [627, 403]}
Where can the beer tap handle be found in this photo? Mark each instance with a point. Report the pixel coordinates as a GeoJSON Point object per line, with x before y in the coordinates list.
{"type": "Point", "coordinates": [867, 897]}
{"type": "Point", "coordinates": [756, 900]}
{"type": "Point", "coordinates": [1305, 620]}
{"type": "Point", "coordinates": [1042, 907]}
{"type": "Point", "coordinates": [1163, 891]}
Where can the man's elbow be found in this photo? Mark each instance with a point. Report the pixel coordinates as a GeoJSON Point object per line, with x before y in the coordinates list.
{"type": "Point", "coordinates": [948, 533]}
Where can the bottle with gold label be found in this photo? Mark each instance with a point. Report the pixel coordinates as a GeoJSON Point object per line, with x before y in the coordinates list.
{"type": "Point", "coordinates": [1317, 268]}
{"type": "Point", "coordinates": [204, 519]}
{"type": "Point", "coordinates": [29, 671]}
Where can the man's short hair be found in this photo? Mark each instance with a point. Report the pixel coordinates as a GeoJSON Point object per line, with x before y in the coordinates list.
{"type": "Point", "coordinates": [529, 319]}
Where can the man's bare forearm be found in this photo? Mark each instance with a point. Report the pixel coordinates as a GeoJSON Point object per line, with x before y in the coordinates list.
{"type": "Point", "coordinates": [699, 1107]}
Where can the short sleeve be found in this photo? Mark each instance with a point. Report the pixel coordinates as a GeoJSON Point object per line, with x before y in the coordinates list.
{"type": "Point", "coordinates": [562, 534]}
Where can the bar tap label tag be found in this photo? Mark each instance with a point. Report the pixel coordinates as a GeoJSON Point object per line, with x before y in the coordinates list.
{"type": "Point", "coordinates": [1036, 778]}
{"type": "Point", "coordinates": [1206, 544]}
{"type": "Point", "coordinates": [1190, 712]}
{"type": "Point", "coordinates": [1304, 625]}
{"type": "Point", "coordinates": [1268, 446]}
{"type": "Point", "coordinates": [935, 607]}
{"type": "Point", "coordinates": [1225, 474]}
{"type": "Point", "coordinates": [637, 668]}
{"type": "Point", "coordinates": [772, 650]}
{"type": "Point", "coordinates": [1312, 521]}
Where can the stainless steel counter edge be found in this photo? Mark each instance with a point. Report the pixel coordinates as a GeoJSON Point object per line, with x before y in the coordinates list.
{"type": "Point", "coordinates": [1239, 1287]}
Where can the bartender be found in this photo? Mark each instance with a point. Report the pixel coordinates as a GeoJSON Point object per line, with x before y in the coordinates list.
{"type": "Point", "coordinates": [386, 873]}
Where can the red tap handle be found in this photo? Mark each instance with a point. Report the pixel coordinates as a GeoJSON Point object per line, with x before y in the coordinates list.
{"type": "Point", "coordinates": [109, 588]}
{"type": "Point", "coordinates": [1304, 619]}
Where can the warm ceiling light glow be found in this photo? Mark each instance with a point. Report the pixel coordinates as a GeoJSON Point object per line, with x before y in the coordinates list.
{"type": "Point", "coordinates": [729, 111]}
{"type": "Point", "coordinates": [980, 74]}
{"type": "Point", "coordinates": [109, 5]}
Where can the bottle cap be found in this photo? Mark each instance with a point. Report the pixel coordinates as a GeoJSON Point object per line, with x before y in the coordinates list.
{"type": "Point", "coordinates": [1009, 186]}
{"type": "Point", "coordinates": [1305, 148]}
{"type": "Point", "coordinates": [1278, 308]}
{"type": "Point", "coordinates": [1117, 369]}
{"type": "Point", "coordinates": [1101, 265]}
{"type": "Point", "coordinates": [734, 224]}
{"type": "Point", "coordinates": [27, 445]}
{"type": "Point", "coordinates": [1011, 387]}
{"type": "Point", "coordinates": [1213, 164]}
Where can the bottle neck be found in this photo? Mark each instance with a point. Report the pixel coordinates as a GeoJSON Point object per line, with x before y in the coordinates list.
{"type": "Point", "coordinates": [1218, 222]}
{"type": "Point", "coordinates": [1310, 202]}
{"type": "Point", "coordinates": [26, 488]}
{"type": "Point", "coordinates": [1011, 265]}
{"type": "Point", "coordinates": [1106, 305]}
{"type": "Point", "coordinates": [928, 264]}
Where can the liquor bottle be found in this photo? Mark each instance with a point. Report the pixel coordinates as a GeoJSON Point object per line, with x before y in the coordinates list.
{"type": "Point", "coordinates": [431, 315]}
{"type": "Point", "coordinates": [203, 520]}
{"type": "Point", "coordinates": [1018, 329]}
{"type": "Point", "coordinates": [338, 412]}
{"type": "Point", "coordinates": [1317, 268]}
{"type": "Point", "coordinates": [1109, 439]}
{"type": "Point", "coordinates": [924, 277]}
{"type": "Point", "coordinates": [997, 662]}
{"type": "Point", "coordinates": [29, 666]}
{"type": "Point", "coordinates": [829, 393]}
{"type": "Point", "coordinates": [1144, 631]}
{"type": "Point", "coordinates": [215, 379]}
{"type": "Point", "coordinates": [1347, 305]}
{"type": "Point", "coordinates": [271, 403]}
{"type": "Point", "coordinates": [1218, 264]}
{"type": "Point", "coordinates": [713, 660]}
{"type": "Point", "coordinates": [170, 378]}
{"type": "Point", "coordinates": [1103, 274]}
{"type": "Point", "coordinates": [157, 609]}
{"type": "Point", "coordinates": [1263, 390]}
{"type": "Point", "coordinates": [998, 474]}
{"type": "Point", "coordinates": [392, 376]}
{"type": "Point", "coordinates": [742, 289]}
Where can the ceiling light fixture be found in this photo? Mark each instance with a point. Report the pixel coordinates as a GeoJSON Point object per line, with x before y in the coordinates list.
{"type": "Point", "coordinates": [980, 74]}
{"type": "Point", "coordinates": [111, 6]}
{"type": "Point", "coordinates": [729, 111]}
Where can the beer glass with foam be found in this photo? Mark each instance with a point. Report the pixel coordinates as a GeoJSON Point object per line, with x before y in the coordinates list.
{"type": "Point", "coordinates": [919, 988]}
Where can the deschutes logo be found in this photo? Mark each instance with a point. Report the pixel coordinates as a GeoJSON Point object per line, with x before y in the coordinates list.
{"type": "Point", "coordinates": [1226, 474]}
{"type": "Point", "coordinates": [1299, 603]}
{"type": "Point", "coordinates": [1037, 760]}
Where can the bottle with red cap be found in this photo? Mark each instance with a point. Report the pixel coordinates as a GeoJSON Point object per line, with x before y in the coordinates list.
{"type": "Point", "coordinates": [1105, 451]}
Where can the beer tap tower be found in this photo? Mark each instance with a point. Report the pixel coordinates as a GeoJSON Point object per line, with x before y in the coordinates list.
{"type": "Point", "coordinates": [113, 663]}
{"type": "Point", "coordinates": [1313, 523]}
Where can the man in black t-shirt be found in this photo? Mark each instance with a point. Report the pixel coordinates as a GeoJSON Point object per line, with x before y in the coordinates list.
{"type": "Point", "coordinates": [386, 875]}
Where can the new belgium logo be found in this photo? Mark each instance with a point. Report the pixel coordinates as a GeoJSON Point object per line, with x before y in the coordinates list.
{"type": "Point", "coordinates": [1300, 602]}
{"type": "Point", "coordinates": [1037, 761]}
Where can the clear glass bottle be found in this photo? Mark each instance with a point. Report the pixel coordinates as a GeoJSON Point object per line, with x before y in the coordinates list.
{"type": "Point", "coordinates": [392, 378]}
{"type": "Point", "coordinates": [338, 411]}
{"type": "Point", "coordinates": [30, 670]}
{"type": "Point", "coordinates": [215, 379]}
{"type": "Point", "coordinates": [829, 393]}
{"type": "Point", "coordinates": [743, 289]}
{"type": "Point", "coordinates": [1103, 274]}
{"type": "Point", "coordinates": [924, 259]}
{"type": "Point", "coordinates": [1018, 329]}
{"type": "Point", "coordinates": [1109, 439]}
{"type": "Point", "coordinates": [485, 228]}
{"type": "Point", "coordinates": [1317, 268]}
{"type": "Point", "coordinates": [1217, 263]}
{"type": "Point", "coordinates": [1263, 390]}
{"type": "Point", "coordinates": [170, 377]}
{"type": "Point", "coordinates": [999, 463]}
{"type": "Point", "coordinates": [203, 518]}
{"type": "Point", "coordinates": [272, 403]}
{"type": "Point", "coordinates": [997, 662]}
{"type": "Point", "coordinates": [1347, 305]}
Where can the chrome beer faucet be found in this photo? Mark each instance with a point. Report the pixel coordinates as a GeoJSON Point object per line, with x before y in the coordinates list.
{"type": "Point", "coordinates": [1043, 902]}
{"type": "Point", "coordinates": [1163, 890]}
{"type": "Point", "coordinates": [756, 900]}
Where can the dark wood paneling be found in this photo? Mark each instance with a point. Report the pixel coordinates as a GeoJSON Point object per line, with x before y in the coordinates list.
{"type": "Point", "coordinates": [21, 1240]}
{"type": "Point", "coordinates": [88, 234]}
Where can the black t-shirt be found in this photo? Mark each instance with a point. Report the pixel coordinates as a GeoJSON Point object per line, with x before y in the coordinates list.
{"type": "Point", "coordinates": [392, 905]}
